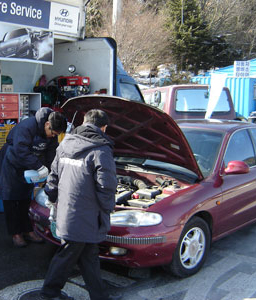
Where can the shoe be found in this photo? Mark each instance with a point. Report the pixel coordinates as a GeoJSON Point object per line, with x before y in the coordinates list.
{"type": "Point", "coordinates": [61, 297]}
{"type": "Point", "coordinates": [18, 241]}
{"type": "Point", "coordinates": [33, 237]}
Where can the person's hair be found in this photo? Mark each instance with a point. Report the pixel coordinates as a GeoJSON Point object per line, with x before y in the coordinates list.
{"type": "Point", "coordinates": [57, 121]}
{"type": "Point", "coordinates": [96, 117]}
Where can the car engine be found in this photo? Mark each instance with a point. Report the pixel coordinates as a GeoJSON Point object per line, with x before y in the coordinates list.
{"type": "Point", "coordinates": [136, 193]}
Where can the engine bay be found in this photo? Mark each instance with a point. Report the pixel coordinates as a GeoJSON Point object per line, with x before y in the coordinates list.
{"type": "Point", "coordinates": [142, 192]}
{"type": "Point", "coordinates": [135, 189]}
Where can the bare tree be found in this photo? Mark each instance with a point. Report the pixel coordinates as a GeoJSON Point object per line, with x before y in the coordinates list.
{"type": "Point", "coordinates": [141, 37]}
{"type": "Point", "coordinates": [139, 34]}
{"type": "Point", "coordinates": [234, 19]}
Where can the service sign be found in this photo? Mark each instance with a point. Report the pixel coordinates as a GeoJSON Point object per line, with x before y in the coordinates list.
{"type": "Point", "coordinates": [27, 28]}
{"type": "Point", "coordinates": [57, 17]}
{"type": "Point", "coordinates": [242, 68]}
{"type": "Point", "coordinates": [34, 13]}
{"type": "Point", "coordinates": [64, 18]}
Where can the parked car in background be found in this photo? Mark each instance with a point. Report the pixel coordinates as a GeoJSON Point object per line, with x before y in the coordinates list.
{"type": "Point", "coordinates": [190, 101]}
{"type": "Point", "coordinates": [181, 185]}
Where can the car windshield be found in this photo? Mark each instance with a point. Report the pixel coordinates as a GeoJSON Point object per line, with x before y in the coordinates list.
{"type": "Point", "coordinates": [205, 145]}
{"type": "Point", "coordinates": [147, 165]}
{"type": "Point", "coordinates": [130, 91]}
{"type": "Point", "coordinates": [196, 100]}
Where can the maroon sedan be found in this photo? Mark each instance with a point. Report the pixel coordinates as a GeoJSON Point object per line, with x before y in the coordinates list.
{"type": "Point", "coordinates": [180, 187]}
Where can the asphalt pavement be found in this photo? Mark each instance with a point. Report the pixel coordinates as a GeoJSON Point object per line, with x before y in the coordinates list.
{"type": "Point", "coordinates": [21, 264]}
{"type": "Point", "coordinates": [228, 274]}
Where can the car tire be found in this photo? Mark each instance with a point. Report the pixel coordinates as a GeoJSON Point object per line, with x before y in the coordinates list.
{"type": "Point", "coordinates": [192, 249]}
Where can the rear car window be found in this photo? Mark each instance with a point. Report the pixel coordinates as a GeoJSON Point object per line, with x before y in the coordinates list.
{"type": "Point", "coordinates": [189, 100]}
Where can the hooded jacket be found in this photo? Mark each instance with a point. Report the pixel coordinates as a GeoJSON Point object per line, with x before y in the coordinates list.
{"type": "Point", "coordinates": [83, 182]}
{"type": "Point", "coordinates": [26, 148]}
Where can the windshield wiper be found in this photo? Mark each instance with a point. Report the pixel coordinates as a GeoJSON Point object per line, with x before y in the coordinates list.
{"type": "Point", "coordinates": [185, 174]}
{"type": "Point", "coordinates": [197, 109]}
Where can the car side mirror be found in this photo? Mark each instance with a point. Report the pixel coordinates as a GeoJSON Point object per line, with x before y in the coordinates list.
{"type": "Point", "coordinates": [236, 167]}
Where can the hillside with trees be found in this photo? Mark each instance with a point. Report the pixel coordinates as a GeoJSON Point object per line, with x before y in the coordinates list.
{"type": "Point", "coordinates": [193, 35]}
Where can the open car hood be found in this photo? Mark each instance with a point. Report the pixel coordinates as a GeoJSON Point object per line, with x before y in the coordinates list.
{"type": "Point", "coordinates": [138, 129]}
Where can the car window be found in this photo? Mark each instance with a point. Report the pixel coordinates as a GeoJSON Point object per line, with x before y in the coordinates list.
{"type": "Point", "coordinates": [205, 145]}
{"type": "Point", "coordinates": [130, 91]}
{"type": "Point", "coordinates": [196, 100]}
{"type": "Point", "coordinates": [163, 100]}
{"type": "Point", "coordinates": [253, 135]}
{"type": "Point", "coordinates": [240, 148]}
{"type": "Point", "coordinates": [150, 99]}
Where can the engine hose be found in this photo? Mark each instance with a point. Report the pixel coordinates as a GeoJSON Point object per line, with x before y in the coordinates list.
{"type": "Point", "coordinates": [139, 184]}
{"type": "Point", "coordinates": [163, 183]}
{"type": "Point", "coordinates": [160, 180]}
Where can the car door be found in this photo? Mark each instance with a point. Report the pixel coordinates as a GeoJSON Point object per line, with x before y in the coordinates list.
{"type": "Point", "coordinates": [238, 204]}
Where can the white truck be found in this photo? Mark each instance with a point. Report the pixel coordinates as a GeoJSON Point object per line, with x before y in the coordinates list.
{"type": "Point", "coordinates": [96, 59]}
{"type": "Point", "coordinates": [43, 39]}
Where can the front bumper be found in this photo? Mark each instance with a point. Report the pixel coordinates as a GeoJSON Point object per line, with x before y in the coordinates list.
{"type": "Point", "coordinates": [39, 218]}
{"type": "Point", "coordinates": [131, 247]}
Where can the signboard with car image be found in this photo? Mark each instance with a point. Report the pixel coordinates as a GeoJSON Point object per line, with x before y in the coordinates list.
{"type": "Point", "coordinates": [26, 44]}
{"type": "Point", "coordinates": [27, 27]}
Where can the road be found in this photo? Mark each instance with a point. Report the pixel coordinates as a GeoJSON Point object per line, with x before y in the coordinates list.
{"type": "Point", "coordinates": [228, 274]}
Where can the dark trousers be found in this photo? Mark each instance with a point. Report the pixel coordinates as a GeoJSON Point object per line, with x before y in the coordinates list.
{"type": "Point", "coordinates": [16, 216]}
{"type": "Point", "coordinates": [85, 255]}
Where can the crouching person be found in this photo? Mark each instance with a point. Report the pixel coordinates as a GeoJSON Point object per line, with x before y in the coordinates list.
{"type": "Point", "coordinates": [31, 144]}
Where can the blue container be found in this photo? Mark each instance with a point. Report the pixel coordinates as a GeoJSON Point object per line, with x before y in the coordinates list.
{"type": "Point", "coordinates": [242, 90]}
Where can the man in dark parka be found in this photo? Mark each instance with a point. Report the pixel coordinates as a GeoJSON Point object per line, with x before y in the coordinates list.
{"type": "Point", "coordinates": [83, 182]}
{"type": "Point", "coordinates": [30, 145]}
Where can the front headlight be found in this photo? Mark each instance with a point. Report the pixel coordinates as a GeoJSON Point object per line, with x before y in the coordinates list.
{"type": "Point", "coordinates": [135, 218]}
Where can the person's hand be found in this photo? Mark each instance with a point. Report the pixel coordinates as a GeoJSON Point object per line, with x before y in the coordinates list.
{"type": "Point", "coordinates": [53, 210]}
{"type": "Point", "coordinates": [42, 172]}
{"type": "Point", "coordinates": [48, 203]}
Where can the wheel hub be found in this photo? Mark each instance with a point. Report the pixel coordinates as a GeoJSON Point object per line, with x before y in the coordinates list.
{"type": "Point", "coordinates": [193, 248]}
